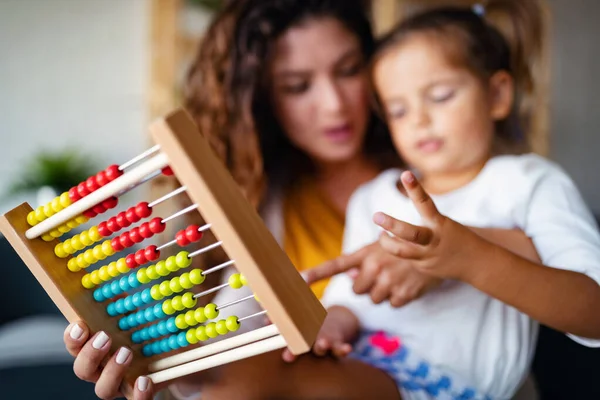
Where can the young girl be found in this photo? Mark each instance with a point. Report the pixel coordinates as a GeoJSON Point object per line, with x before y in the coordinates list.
{"type": "Point", "coordinates": [446, 81]}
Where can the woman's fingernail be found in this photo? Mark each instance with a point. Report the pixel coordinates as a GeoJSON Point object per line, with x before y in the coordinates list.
{"type": "Point", "coordinates": [379, 218]}
{"type": "Point", "coordinates": [142, 383]}
{"type": "Point", "coordinates": [100, 340]}
{"type": "Point", "coordinates": [76, 332]}
{"type": "Point", "coordinates": [123, 355]}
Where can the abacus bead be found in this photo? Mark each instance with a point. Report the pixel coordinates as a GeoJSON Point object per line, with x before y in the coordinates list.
{"type": "Point", "coordinates": [67, 247]}
{"type": "Point", "coordinates": [94, 234]}
{"type": "Point", "coordinates": [122, 266]}
{"type": "Point", "coordinates": [31, 219]}
{"type": "Point", "coordinates": [146, 296]}
{"type": "Point", "coordinates": [196, 276]}
{"type": "Point", "coordinates": [116, 244]}
{"type": "Point", "coordinates": [151, 253]}
{"type": "Point", "coordinates": [55, 204]}
{"type": "Point", "coordinates": [192, 234]}
{"type": "Point", "coordinates": [124, 284]}
{"type": "Point", "coordinates": [86, 281]}
{"type": "Point", "coordinates": [110, 203]}
{"type": "Point", "coordinates": [88, 256]}
{"type": "Point", "coordinates": [156, 225]}
{"type": "Point", "coordinates": [210, 310]}
{"type": "Point", "coordinates": [158, 311]}
{"type": "Point", "coordinates": [184, 281]}
{"type": "Point", "coordinates": [155, 292]}
{"type": "Point", "coordinates": [76, 243]}
{"type": "Point", "coordinates": [167, 307]}
{"type": "Point", "coordinates": [123, 325]}
{"type": "Point", "coordinates": [48, 212]}
{"type": "Point", "coordinates": [232, 323]}
{"type": "Point", "coordinates": [72, 224]}
{"type": "Point", "coordinates": [91, 184]}
{"type": "Point", "coordinates": [140, 318]}
{"type": "Point", "coordinates": [133, 281]}
{"type": "Point", "coordinates": [101, 178]}
{"type": "Point", "coordinates": [136, 337]}
{"type": "Point", "coordinates": [131, 215]}
{"type": "Point", "coordinates": [114, 286]}
{"type": "Point", "coordinates": [161, 268]}
{"type": "Point", "coordinates": [55, 233]}
{"type": "Point", "coordinates": [103, 229]}
{"type": "Point", "coordinates": [234, 281]}
{"type": "Point", "coordinates": [85, 238]}
{"type": "Point", "coordinates": [81, 261]}
{"type": "Point", "coordinates": [147, 350]}
{"type": "Point", "coordinates": [112, 269]}
{"type": "Point", "coordinates": [167, 171]}
{"type": "Point", "coordinates": [171, 327]}
{"type": "Point", "coordinates": [190, 336]}
{"type": "Point", "coordinates": [107, 292]}
{"type": "Point", "coordinates": [211, 330]}
{"type": "Point", "coordinates": [180, 322]}
{"type": "Point", "coordinates": [95, 277]}
{"type": "Point", "coordinates": [120, 306]}
{"type": "Point", "coordinates": [140, 257]}
{"type": "Point", "coordinates": [221, 327]}
{"type": "Point", "coordinates": [135, 236]}
{"type": "Point", "coordinates": [143, 210]}
{"type": "Point", "coordinates": [176, 303]}
{"type": "Point", "coordinates": [141, 276]}
{"type": "Point", "coordinates": [175, 285]}
{"type": "Point", "coordinates": [171, 264]}
{"type": "Point", "coordinates": [103, 273]}
{"type": "Point", "coordinates": [74, 194]}
{"type": "Point", "coordinates": [64, 228]}
{"type": "Point", "coordinates": [151, 272]}
{"type": "Point", "coordinates": [149, 314]}
{"type": "Point", "coordinates": [125, 241]}
{"type": "Point", "coordinates": [122, 220]}
{"type": "Point", "coordinates": [182, 339]}
{"type": "Point", "coordinates": [112, 172]}
{"type": "Point", "coordinates": [201, 333]}
{"type": "Point", "coordinates": [153, 332]}
{"type": "Point", "coordinates": [47, 237]}
{"type": "Point", "coordinates": [145, 231]}
{"type": "Point", "coordinates": [82, 190]}
{"type": "Point", "coordinates": [99, 253]}
{"type": "Point", "coordinates": [173, 344]}
{"type": "Point", "coordinates": [156, 348]}
{"type": "Point", "coordinates": [165, 288]}
{"type": "Point", "coordinates": [60, 252]}
{"type": "Point", "coordinates": [73, 266]}
{"type": "Point", "coordinates": [162, 328]}
{"type": "Point", "coordinates": [132, 320]}
{"type": "Point", "coordinates": [112, 226]}
{"type": "Point", "coordinates": [98, 296]}
{"type": "Point", "coordinates": [81, 219]}
{"type": "Point", "coordinates": [144, 334]}
{"type": "Point", "coordinates": [182, 259]}
{"type": "Point", "coordinates": [39, 214]}
{"type": "Point", "coordinates": [188, 300]}
{"type": "Point", "coordinates": [181, 239]}
{"type": "Point", "coordinates": [199, 315]}
{"type": "Point", "coordinates": [130, 260]}
{"type": "Point", "coordinates": [112, 310]}
{"type": "Point", "coordinates": [189, 318]}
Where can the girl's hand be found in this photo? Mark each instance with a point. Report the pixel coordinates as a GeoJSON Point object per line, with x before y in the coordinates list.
{"type": "Point", "coordinates": [441, 247]}
{"type": "Point", "coordinates": [89, 353]}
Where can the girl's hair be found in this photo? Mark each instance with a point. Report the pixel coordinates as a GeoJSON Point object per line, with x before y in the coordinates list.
{"type": "Point", "coordinates": [227, 88]}
{"type": "Point", "coordinates": [502, 35]}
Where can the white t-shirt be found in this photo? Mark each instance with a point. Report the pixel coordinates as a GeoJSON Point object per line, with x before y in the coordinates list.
{"type": "Point", "coordinates": [456, 326]}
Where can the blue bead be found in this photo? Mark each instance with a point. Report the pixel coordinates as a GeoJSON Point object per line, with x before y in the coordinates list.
{"type": "Point", "coordinates": [128, 303]}
{"type": "Point", "coordinates": [171, 327]}
{"type": "Point", "coordinates": [149, 314]}
{"type": "Point", "coordinates": [120, 306]}
{"type": "Point", "coordinates": [162, 328]}
{"type": "Point", "coordinates": [132, 321]}
{"type": "Point", "coordinates": [140, 318]}
{"type": "Point", "coordinates": [144, 334]}
{"type": "Point", "coordinates": [111, 310]}
{"type": "Point", "coordinates": [98, 296]}
{"type": "Point", "coordinates": [156, 347]}
{"type": "Point", "coordinates": [137, 300]}
{"type": "Point", "coordinates": [146, 298]}
{"type": "Point", "coordinates": [133, 281]}
{"type": "Point", "coordinates": [136, 337]}
{"type": "Point", "coordinates": [107, 292]}
{"type": "Point", "coordinates": [158, 312]}
{"type": "Point", "coordinates": [116, 289]}
{"type": "Point", "coordinates": [124, 284]}
{"type": "Point", "coordinates": [182, 340]}
{"type": "Point", "coordinates": [164, 345]}
{"type": "Point", "coordinates": [123, 324]}
{"type": "Point", "coordinates": [153, 332]}
{"type": "Point", "coordinates": [173, 342]}
{"type": "Point", "coordinates": [147, 350]}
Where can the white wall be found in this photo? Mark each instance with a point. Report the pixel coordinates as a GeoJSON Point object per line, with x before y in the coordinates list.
{"type": "Point", "coordinates": [72, 72]}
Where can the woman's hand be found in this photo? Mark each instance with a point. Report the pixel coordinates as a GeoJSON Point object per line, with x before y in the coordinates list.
{"type": "Point", "coordinates": [89, 353]}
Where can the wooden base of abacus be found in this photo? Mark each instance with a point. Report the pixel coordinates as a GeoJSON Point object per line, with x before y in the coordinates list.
{"type": "Point", "coordinates": [294, 310]}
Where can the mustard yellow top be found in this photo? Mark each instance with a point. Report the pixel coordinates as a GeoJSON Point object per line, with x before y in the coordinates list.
{"type": "Point", "coordinates": [313, 229]}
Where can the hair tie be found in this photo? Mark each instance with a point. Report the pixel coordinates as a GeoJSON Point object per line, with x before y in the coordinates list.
{"type": "Point", "coordinates": [479, 9]}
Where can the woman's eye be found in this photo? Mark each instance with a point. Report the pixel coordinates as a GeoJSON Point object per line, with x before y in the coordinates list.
{"type": "Point", "coordinates": [350, 70]}
{"type": "Point", "coordinates": [294, 88]}
{"type": "Point", "coordinates": [396, 111]}
{"type": "Point", "coordinates": [440, 95]}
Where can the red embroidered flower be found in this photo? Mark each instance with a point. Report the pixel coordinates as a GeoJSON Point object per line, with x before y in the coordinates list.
{"type": "Point", "coordinates": [387, 344]}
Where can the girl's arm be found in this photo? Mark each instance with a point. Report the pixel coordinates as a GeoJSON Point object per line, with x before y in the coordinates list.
{"type": "Point", "coordinates": [513, 240]}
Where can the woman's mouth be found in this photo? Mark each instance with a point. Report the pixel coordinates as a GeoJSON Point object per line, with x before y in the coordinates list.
{"type": "Point", "coordinates": [339, 134]}
{"type": "Point", "coordinates": [430, 145]}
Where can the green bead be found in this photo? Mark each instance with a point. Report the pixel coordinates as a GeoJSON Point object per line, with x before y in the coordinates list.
{"type": "Point", "coordinates": [201, 333]}
{"type": "Point", "coordinates": [177, 303]}
{"type": "Point", "coordinates": [196, 276]}
{"type": "Point", "coordinates": [161, 268]}
{"type": "Point", "coordinates": [189, 318]}
{"type": "Point", "coordinates": [171, 264]}
{"type": "Point", "coordinates": [191, 337]}
{"type": "Point", "coordinates": [184, 281]}
{"type": "Point", "coordinates": [182, 259]}
{"type": "Point", "coordinates": [167, 307]}
{"type": "Point", "coordinates": [151, 272]}
{"type": "Point", "coordinates": [211, 330]}
{"type": "Point", "coordinates": [234, 281]}
{"type": "Point", "coordinates": [165, 289]}
{"type": "Point", "coordinates": [199, 315]}
{"type": "Point", "coordinates": [232, 323]}
{"type": "Point", "coordinates": [155, 293]}
{"type": "Point", "coordinates": [221, 327]}
{"type": "Point", "coordinates": [180, 322]}
{"type": "Point", "coordinates": [210, 311]}
{"type": "Point", "coordinates": [188, 300]}
{"type": "Point", "coordinates": [175, 285]}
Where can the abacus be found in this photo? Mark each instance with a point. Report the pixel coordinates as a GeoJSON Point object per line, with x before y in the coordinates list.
{"type": "Point", "coordinates": [134, 299]}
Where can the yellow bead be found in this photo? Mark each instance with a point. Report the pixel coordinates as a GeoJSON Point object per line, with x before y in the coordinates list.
{"type": "Point", "coordinates": [171, 264]}
{"type": "Point", "coordinates": [196, 276]}
{"type": "Point", "coordinates": [180, 322]}
{"type": "Point", "coordinates": [184, 281]}
{"type": "Point", "coordinates": [31, 219]}
{"type": "Point", "coordinates": [89, 257]}
{"type": "Point", "coordinates": [243, 279]}
{"type": "Point", "coordinates": [64, 228]}
{"type": "Point", "coordinates": [189, 318]}
{"type": "Point", "coordinates": [56, 233]}
{"type": "Point", "coordinates": [177, 303]}
{"type": "Point", "coordinates": [85, 238]}
{"type": "Point", "coordinates": [199, 315]}
{"type": "Point", "coordinates": [39, 214]}
{"type": "Point", "coordinates": [72, 224]}
{"type": "Point", "coordinates": [60, 251]}
{"type": "Point", "coordinates": [188, 300]}
{"type": "Point", "coordinates": [95, 277]}
{"type": "Point", "coordinates": [112, 269]}
{"type": "Point", "coordinates": [103, 272]}
{"type": "Point", "coordinates": [221, 327]}
{"type": "Point", "coordinates": [81, 261]}
{"type": "Point", "coordinates": [234, 281]}
{"type": "Point", "coordinates": [165, 289]}
{"type": "Point", "coordinates": [67, 248]}
{"type": "Point", "coordinates": [155, 293]}
{"type": "Point", "coordinates": [161, 268]}
{"type": "Point", "coordinates": [175, 285]}
{"type": "Point", "coordinates": [65, 200]}
{"type": "Point", "coordinates": [201, 333]}
{"type": "Point", "coordinates": [123, 268]}
{"type": "Point", "coordinates": [107, 248]}
{"type": "Point", "coordinates": [98, 253]}
{"type": "Point", "coordinates": [47, 237]}
{"type": "Point", "coordinates": [56, 207]}
{"type": "Point", "coordinates": [76, 243]}
{"type": "Point", "coordinates": [73, 266]}
{"type": "Point", "coordinates": [211, 330]}
{"type": "Point", "coordinates": [191, 337]}
{"type": "Point", "coordinates": [94, 234]}
{"type": "Point", "coordinates": [86, 281]}
{"type": "Point", "coordinates": [210, 310]}
{"type": "Point", "coordinates": [167, 307]}
{"type": "Point", "coordinates": [182, 259]}
{"type": "Point", "coordinates": [48, 212]}
{"type": "Point", "coordinates": [151, 272]}
{"type": "Point", "coordinates": [82, 219]}
{"type": "Point", "coordinates": [141, 275]}
{"type": "Point", "coordinates": [232, 323]}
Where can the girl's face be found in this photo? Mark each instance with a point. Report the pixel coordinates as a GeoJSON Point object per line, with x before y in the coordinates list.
{"type": "Point", "coordinates": [319, 90]}
{"type": "Point", "coordinates": [441, 115]}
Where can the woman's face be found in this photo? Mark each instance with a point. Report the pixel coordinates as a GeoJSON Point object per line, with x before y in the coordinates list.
{"type": "Point", "coordinates": [319, 89]}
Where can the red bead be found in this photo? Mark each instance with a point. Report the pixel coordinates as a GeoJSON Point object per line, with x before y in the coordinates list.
{"type": "Point", "coordinates": [110, 203]}
{"type": "Point", "coordinates": [152, 253]}
{"type": "Point", "coordinates": [135, 236]}
{"type": "Point", "coordinates": [82, 190]}
{"type": "Point", "coordinates": [90, 213]}
{"type": "Point", "coordinates": [112, 172]}
{"type": "Point", "coordinates": [140, 257]}
{"type": "Point", "coordinates": [122, 220]}
{"type": "Point", "coordinates": [131, 215]}
{"type": "Point", "coordinates": [73, 194]}
{"type": "Point", "coordinates": [192, 234]}
{"type": "Point", "coordinates": [112, 225]}
{"type": "Point", "coordinates": [116, 244]}
{"type": "Point", "coordinates": [145, 231]}
{"type": "Point", "coordinates": [167, 171]}
{"type": "Point", "coordinates": [125, 240]}
{"type": "Point", "coordinates": [91, 184]}
{"type": "Point", "coordinates": [103, 229]}
{"type": "Point", "coordinates": [101, 178]}
{"type": "Point", "coordinates": [99, 209]}
{"type": "Point", "coordinates": [181, 239]}
{"type": "Point", "coordinates": [156, 225]}
{"type": "Point", "coordinates": [130, 261]}
{"type": "Point", "coordinates": [142, 210]}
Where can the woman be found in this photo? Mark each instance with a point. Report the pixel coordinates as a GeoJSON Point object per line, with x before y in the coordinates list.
{"type": "Point", "coordinates": [281, 90]}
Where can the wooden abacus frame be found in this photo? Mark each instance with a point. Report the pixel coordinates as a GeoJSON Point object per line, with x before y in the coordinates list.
{"type": "Point", "coordinates": [295, 312]}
